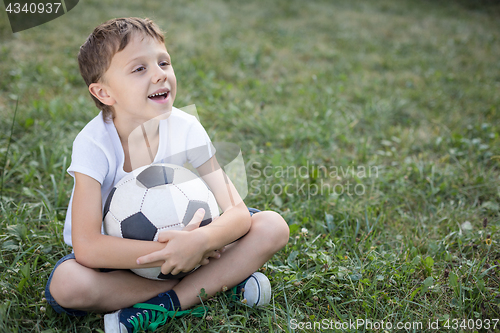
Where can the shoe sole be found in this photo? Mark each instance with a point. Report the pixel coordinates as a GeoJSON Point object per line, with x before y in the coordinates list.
{"type": "Point", "coordinates": [259, 286]}
{"type": "Point", "coordinates": [112, 324]}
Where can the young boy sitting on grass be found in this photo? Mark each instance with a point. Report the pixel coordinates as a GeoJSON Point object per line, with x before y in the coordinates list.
{"type": "Point", "coordinates": [129, 74]}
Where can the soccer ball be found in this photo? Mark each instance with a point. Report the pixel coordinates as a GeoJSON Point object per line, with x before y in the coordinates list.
{"type": "Point", "coordinates": [154, 198]}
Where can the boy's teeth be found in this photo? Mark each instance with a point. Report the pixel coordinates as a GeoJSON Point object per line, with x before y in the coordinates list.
{"type": "Point", "coordinates": [158, 94]}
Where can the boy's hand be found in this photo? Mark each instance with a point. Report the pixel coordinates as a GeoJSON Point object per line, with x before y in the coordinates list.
{"type": "Point", "coordinates": [185, 249]}
{"type": "Point", "coordinates": [195, 224]}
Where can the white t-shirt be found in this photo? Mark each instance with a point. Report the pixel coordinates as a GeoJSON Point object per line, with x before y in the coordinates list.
{"type": "Point", "coordinates": [98, 152]}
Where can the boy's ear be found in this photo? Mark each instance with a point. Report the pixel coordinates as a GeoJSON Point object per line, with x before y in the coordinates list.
{"type": "Point", "coordinates": [99, 91]}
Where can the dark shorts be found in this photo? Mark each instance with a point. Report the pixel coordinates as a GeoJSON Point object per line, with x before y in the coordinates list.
{"type": "Point", "coordinates": [79, 313]}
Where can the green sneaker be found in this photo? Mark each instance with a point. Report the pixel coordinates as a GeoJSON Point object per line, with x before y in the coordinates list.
{"type": "Point", "coordinates": [146, 316]}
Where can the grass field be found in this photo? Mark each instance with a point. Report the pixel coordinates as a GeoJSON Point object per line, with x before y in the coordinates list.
{"type": "Point", "coordinates": [373, 127]}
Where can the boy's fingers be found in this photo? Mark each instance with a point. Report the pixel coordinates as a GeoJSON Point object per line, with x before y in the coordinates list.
{"type": "Point", "coordinates": [174, 271]}
{"type": "Point", "coordinates": [166, 269]}
{"type": "Point", "coordinates": [190, 226]}
{"type": "Point", "coordinates": [214, 254]}
{"type": "Point", "coordinates": [148, 258]}
{"type": "Point", "coordinates": [166, 235]}
{"type": "Point", "coordinates": [196, 220]}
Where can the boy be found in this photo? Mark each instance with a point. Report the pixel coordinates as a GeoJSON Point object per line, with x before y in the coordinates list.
{"type": "Point", "coordinates": [129, 73]}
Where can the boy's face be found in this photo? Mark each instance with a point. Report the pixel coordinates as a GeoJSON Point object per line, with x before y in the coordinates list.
{"type": "Point", "coordinates": [140, 82]}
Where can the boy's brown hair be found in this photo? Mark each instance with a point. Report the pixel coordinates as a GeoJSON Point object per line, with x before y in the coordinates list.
{"type": "Point", "coordinates": [104, 42]}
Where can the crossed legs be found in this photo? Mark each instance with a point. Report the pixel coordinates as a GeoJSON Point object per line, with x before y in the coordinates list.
{"type": "Point", "coordinates": [75, 286]}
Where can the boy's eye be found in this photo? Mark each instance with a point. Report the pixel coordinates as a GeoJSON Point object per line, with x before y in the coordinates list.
{"type": "Point", "coordinates": [164, 63]}
{"type": "Point", "coordinates": [139, 69]}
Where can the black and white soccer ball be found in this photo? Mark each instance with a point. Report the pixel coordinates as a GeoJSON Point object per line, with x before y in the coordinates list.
{"type": "Point", "coordinates": [155, 198]}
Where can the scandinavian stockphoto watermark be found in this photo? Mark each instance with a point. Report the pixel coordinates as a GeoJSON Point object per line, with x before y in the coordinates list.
{"type": "Point", "coordinates": [309, 180]}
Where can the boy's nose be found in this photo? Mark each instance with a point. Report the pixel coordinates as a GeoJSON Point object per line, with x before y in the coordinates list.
{"type": "Point", "coordinates": [159, 75]}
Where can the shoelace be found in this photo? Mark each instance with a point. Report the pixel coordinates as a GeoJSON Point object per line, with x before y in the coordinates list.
{"type": "Point", "coordinates": [235, 293]}
{"type": "Point", "coordinates": [159, 316]}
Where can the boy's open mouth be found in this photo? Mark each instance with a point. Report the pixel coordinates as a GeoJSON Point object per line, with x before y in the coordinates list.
{"type": "Point", "coordinates": [159, 96]}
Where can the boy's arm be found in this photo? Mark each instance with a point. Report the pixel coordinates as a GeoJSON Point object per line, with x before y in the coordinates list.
{"type": "Point", "coordinates": [187, 248]}
{"type": "Point", "coordinates": [93, 249]}
{"type": "Point", "coordinates": [235, 220]}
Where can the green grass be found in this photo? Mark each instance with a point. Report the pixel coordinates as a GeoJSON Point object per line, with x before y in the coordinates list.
{"type": "Point", "coordinates": [407, 90]}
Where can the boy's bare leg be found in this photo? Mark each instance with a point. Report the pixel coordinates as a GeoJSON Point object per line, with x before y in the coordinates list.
{"type": "Point", "coordinates": [78, 287]}
{"type": "Point", "coordinates": [268, 234]}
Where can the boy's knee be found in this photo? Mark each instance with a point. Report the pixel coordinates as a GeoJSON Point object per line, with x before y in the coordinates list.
{"type": "Point", "coordinates": [72, 285]}
{"type": "Point", "coordinates": [271, 225]}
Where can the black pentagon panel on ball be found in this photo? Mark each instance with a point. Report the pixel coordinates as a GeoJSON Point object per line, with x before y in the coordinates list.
{"type": "Point", "coordinates": [108, 202]}
{"type": "Point", "coordinates": [192, 207]}
{"type": "Point", "coordinates": [138, 227]}
{"type": "Point", "coordinates": [156, 175]}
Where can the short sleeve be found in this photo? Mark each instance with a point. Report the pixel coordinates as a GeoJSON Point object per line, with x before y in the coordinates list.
{"type": "Point", "coordinates": [199, 148]}
{"type": "Point", "coordinates": [88, 158]}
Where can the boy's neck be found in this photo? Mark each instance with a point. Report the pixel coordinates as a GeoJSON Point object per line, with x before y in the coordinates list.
{"type": "Point", "coordinates": [127, 127]}
{"type": "Point", "coordinates": [139, 140]}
